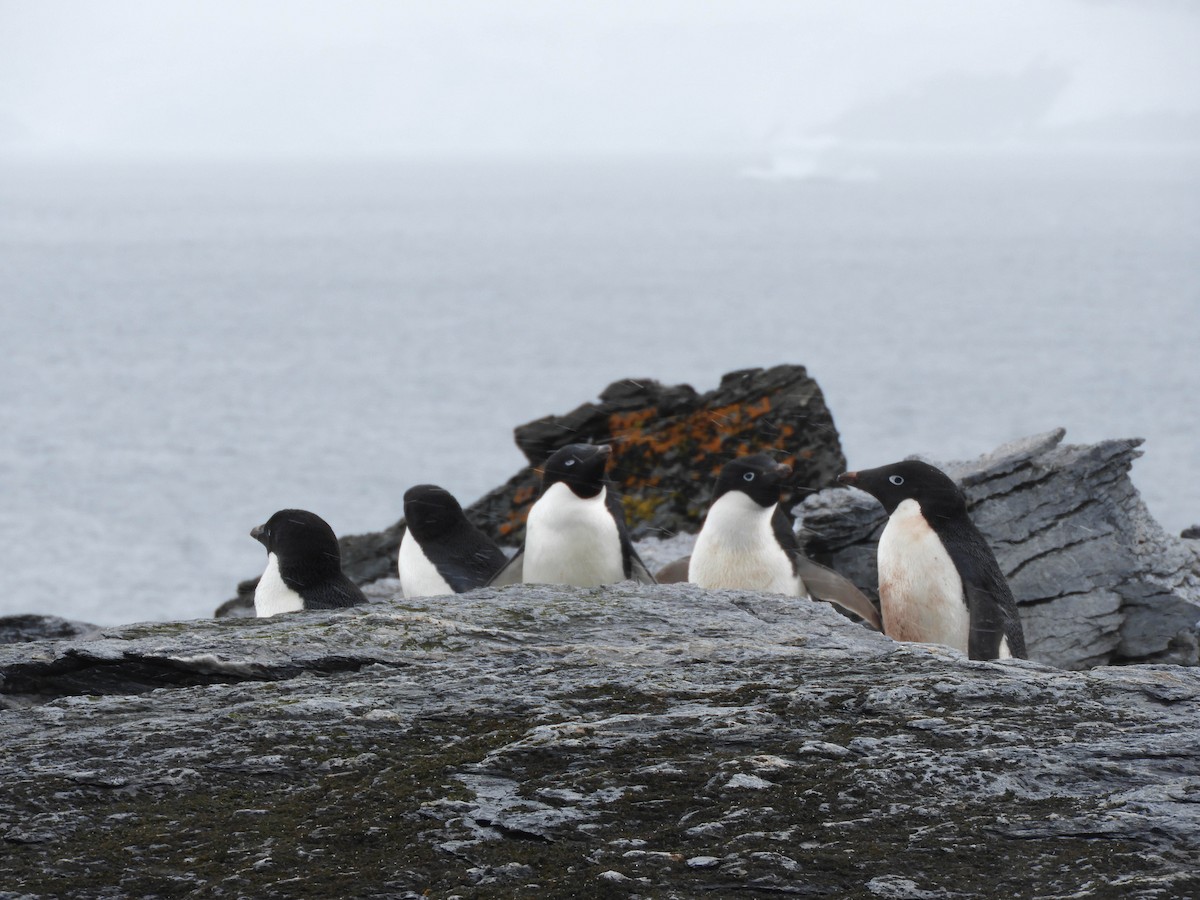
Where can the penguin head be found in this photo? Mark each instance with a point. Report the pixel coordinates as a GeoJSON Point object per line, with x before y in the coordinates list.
{"type": "Point", "coordinates": [431, 511]}
{"type": "Point", "coordinates": [580, 467]}
{"type": "Point", "coordinates": [930, 487]}
{"type": "Point", "coordinates": [303, 542]}
{"type": "Point", "coordinates": [758, 477]}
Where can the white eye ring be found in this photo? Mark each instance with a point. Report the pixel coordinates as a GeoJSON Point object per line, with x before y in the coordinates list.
{"type": "Point", "coordinates": [569, 462]}
{"type": "Point", "coordinates": [896, 480]}
{"type": "Point", "coordinates": [749, 476]}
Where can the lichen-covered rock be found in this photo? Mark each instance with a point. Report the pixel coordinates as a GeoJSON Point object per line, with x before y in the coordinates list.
{"type": "Point", "coordinates": [654, 741]}
{"type": "Point", "coordinates": [669, 444]}
{"type": "Point", "coordinates": [1097, 580]}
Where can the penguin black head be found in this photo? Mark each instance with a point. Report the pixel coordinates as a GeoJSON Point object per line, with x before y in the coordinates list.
{"type": "Point", "coordinates": [930, 487]}
{"type": "Point", "coordinates": [304, 544]}
{"type": "Point", "coordinates": [580, 467]}
{"type": "Point", "coordinates": [758, 477]}
{"type": "Point", "coordinates": [431, 511]}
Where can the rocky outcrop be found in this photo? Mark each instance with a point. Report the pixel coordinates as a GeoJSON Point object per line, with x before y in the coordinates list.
{"type": "Point", "coordinates": [31, 627]}
{"type": "Point", "coordinates": [1096, 578]}
{"type": "Point", "coordinates": [669, 444]}
{"type": "Point", "coordinates": [655, 741]}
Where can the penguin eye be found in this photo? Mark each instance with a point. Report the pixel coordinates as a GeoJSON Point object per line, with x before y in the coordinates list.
{"type": "Point", "coordinates": [896, 480]}
{"type": "Point", "coordinates": [749, 476]}
{"type": "Point", "coordinates": [569, 462]}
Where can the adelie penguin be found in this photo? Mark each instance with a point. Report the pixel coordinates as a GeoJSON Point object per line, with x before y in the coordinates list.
{"type": "Point", "coordinates": [938, 579]}
{"type": "Point", "coordinates": [441, 552]}
{"type": "Point", "coordinates": [576, 532]}
{"type": "Point", "coordinates": [304, 566]}
{"type": "Point", "coordinates": [747, 542]}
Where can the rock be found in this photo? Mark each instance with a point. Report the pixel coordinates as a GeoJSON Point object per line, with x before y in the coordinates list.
{"type": "Point", "coordinates": [650, 740]}
{"type": "Point", "coordinates": [30, 627]}
{"type": "Point", "coordinates": [241, 606]}
{"type": "Point", "coordinates": [668, 445]}
{"type": "Point", "coordinates": [1191, 533]}
{"type": "Point", "coordinates": [1098, 581]}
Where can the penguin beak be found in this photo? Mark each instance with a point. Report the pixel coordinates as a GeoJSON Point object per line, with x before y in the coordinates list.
{"type": "Point", "coordinates": [781, 471]}
{"type": "Point", "coordinates": [258, 532]}
{"type": "Point", "coordinates": [850, 478]}
{"type": "Point", "coordinates": [604, 450]}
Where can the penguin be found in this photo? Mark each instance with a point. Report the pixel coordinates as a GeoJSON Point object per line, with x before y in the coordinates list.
{"type": "Point", "coordinates": [747, 542]}
{"type": "Point", "coordinates": [576, 532]}
{"type": "Point", "coordinates": [441, 552]}
{"type": "Point", "coordinates": [304, 566]}
{"type": "Point", "coordinates": [938, 579]}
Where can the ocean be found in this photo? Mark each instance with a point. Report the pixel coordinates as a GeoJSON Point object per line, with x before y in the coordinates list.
{"type": "Point", "coordinates": [189, 347]}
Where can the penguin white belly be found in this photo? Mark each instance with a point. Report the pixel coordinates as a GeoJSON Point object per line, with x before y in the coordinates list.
{"type": "Point", "coordinates": [273, 596]}
{"type": "Point", "coordinates": [737, 549]}
{"type": "Point", "coordinates": [920, 590]}
{"type": "Point", "coordinates": [569, 540]}
{"type": "Point", "coordinates": [418, 576]}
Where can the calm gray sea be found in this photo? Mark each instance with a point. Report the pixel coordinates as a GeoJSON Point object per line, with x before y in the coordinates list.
{"type": "Point", "coordinates": [186, 349]}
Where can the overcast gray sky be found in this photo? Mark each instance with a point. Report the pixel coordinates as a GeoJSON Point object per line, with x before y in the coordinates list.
{"type": "Point", "coordinates": [299, 77]}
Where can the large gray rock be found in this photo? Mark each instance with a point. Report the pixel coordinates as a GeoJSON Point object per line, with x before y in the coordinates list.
{"type": "Point", "coordinates": [1097, 579]}
{"type": "Point", "coordinates": [651, 741]}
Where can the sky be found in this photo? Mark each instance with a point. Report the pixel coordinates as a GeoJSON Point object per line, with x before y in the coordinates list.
{"type": "Point", "coordinates": [300, 78]}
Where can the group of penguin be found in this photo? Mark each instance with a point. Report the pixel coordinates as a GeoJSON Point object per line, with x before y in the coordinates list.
{"type": "Point", "coordinates": [938, 579]}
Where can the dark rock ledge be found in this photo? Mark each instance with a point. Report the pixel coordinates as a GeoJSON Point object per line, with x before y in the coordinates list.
{"type": "Point", "coordinates": [629, 741]}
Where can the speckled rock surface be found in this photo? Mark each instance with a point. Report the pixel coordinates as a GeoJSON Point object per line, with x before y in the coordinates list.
{"type": "Point", "coordinates": [1097, 579]}
{"type": "Point", "coordinates": [655, 741]}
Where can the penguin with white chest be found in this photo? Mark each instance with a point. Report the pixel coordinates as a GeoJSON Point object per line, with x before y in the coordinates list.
{"type": "Point", "coordinates": [747, 542]}
{"type": "Point", "coordinates": [442, 552]}
{"type": "Point", "coordinates": [304, 566]}
{"type": "Point", "coordinates": [576, 532]}
{"type": "Point", "coordinates": [939, 581]}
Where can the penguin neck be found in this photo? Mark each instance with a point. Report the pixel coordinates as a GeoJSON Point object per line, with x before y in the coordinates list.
{"type": "Point", "coordinates": [736, 517]}
{"type": "Point", "coordinates": [560, 499]}
{"type": "Point", "coordinates": [274, 595]}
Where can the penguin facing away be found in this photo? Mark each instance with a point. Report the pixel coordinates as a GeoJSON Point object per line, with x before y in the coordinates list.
{"type": "Point", "coordinates": [441, 551]}
{"type": "Point", "coordinates": [747, 542]}
{"type": "Point", "coordinates": [304, 566]}
{"type": "Point", "coordinates": [939, 581]}
{"type": "Point", "coordinates": [576, 532]}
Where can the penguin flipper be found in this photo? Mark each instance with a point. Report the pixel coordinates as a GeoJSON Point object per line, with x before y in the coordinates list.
{"type": "Point", "coordinates": [334, 595]}
{"type": "Point", "coordinates": [674, 572]}
{"type": "Point", "coordinates": [990, 604]}
{"type": "Point", "coordinates": [638, 571]}
{"type": "Point", "coordinates": [512, 572]}
{"type": "Point", "coordinates": [474, 570]}
{"type": "Point", "coordinates": [992, 620]}
{"type": "Point", "coordinates": [826, 584]}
